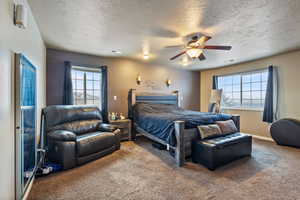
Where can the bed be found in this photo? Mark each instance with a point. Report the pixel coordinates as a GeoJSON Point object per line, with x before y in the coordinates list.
{"type": "Point", "coordinates": [160, 118]}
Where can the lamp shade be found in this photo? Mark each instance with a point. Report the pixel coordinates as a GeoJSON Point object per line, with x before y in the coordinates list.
{"type": "Point", "coordinates": [216, 96]}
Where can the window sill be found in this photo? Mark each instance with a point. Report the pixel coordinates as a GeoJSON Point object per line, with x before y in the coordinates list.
{"type": "Point", "coordinates": [244, 109]}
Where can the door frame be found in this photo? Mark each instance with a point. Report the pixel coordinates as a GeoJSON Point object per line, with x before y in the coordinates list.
{"type": "Point", "coordinates": [20, 191]}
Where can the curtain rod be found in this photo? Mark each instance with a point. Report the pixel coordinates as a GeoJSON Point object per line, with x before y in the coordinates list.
{"type": "Point", "coordinates": [85, 68]}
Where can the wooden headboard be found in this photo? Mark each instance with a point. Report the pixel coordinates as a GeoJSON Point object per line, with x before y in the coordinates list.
{"type": "Point", "coordinates": [151, 97]}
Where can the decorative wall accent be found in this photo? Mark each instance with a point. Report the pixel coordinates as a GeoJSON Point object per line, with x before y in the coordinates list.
{"type": "Point", "coordinates": [152, 85]}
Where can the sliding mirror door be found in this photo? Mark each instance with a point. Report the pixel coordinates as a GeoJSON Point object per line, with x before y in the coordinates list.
{"type": "Point", "coordinates": [25, 121]}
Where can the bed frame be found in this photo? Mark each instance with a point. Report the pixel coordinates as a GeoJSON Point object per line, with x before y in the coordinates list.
{"type": "Point", "coordinates": [184, 136]}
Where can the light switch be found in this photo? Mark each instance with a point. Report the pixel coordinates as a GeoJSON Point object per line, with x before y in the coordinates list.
{"type": "Point", "coordinates": [115, 98]}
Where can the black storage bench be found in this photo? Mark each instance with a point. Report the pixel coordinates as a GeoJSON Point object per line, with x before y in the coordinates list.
{"type": "Point", "coordinates": [219, 151]}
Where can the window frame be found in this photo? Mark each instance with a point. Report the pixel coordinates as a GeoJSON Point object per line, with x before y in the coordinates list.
{"type": "Point", "coordinates": [85, 80]}
{"type": "Point", "coordinates": [242, 74]}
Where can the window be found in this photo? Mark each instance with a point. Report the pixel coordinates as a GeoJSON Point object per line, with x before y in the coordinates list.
{"type": "Point", "coordinates": [244, 90]}
{"type": "Point", "coordinates": [86, 84]}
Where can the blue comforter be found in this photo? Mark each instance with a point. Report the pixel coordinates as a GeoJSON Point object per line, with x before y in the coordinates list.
{"type": "Point", "coordinates": [158, 119]}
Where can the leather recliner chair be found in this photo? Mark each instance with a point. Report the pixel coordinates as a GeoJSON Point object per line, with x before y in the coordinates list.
{"type": "Point", "coordinates": [75, 135]}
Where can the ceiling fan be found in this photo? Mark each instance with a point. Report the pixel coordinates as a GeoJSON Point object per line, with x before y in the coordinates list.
{"type": "Point", "coordinates": [194, 47]}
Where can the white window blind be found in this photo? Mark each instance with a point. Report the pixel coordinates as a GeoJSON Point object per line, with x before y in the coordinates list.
{"type": "Point", "coordinates": [86, 84]}
{"type": "Point", "coordinates": [244, 90]}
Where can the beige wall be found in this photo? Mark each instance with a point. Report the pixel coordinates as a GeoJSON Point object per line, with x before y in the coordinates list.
{"type": "Point", "coordinates": [30, 43]}
{"type": "Point", "coordinates": [122, 75]}
{"type": "Point", "coordinates": [289, 93]}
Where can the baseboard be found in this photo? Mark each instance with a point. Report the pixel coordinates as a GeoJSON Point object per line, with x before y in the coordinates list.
{"type": "Point", "coordinates": [263, 138]}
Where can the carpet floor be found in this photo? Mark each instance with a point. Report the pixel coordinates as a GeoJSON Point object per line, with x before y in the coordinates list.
{"type": "Point", "coordinates": [138, 171]}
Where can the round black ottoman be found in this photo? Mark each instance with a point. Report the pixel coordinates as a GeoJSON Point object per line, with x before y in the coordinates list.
{"type": "Point", "coordinates": [286, 132]}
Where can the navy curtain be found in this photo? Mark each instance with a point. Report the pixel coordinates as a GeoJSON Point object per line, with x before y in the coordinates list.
{"type": "Point", "coordinates": [68, 93]}
{"type": "Point", "coordinates": [104, 105]}
{"type": "Point", "coordinates": [215, 83]}
{"type": "Point", "coordinates": [268, 115]}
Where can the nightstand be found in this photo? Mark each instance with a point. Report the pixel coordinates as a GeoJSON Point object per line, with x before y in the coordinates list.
{"type": "Point", "coordinates": [125, 127]}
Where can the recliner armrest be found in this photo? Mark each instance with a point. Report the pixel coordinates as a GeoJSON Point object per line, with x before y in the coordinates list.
{"type": "Point", "coordinates": [108, 127]}
{"type": "Point", "coordinates": [62, 135]}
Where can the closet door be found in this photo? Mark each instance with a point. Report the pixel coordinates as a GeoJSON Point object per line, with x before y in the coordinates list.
{"type": "Point", "coordinates": [25, 121]}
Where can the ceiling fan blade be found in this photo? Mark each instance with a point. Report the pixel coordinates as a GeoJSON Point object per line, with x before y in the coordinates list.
{"type": "Point", "coordinates": [203, 39]}
{"type": "Point", "coordinates": [201, 57]}
{"type": "Point", "coordinates": [177, 55]}
{"type": "Point", "coordinates": [175, 46]}
{"type": "Point", "coordinates": [217, 47]}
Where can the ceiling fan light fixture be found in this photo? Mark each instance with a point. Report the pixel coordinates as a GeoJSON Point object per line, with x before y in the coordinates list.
{"type": "Point", "coordinates": [194, 48]}
{"type": "Point", "coordinates": [193, 52]}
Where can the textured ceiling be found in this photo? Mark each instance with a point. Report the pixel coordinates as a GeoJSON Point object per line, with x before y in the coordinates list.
{"type": "Point", "coordinates": [255, 29]}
